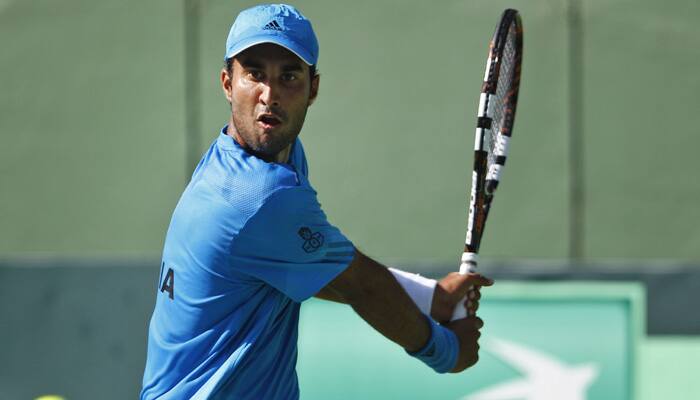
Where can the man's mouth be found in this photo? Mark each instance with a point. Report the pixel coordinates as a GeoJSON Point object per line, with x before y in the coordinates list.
{"type": "Point", "coordinates": [269, 121]}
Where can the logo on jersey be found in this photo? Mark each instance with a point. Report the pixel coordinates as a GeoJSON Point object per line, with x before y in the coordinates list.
{"type": "Point", "coordinates": [168, 282]}
{"type": "Point", "coordinates": [312, 240]}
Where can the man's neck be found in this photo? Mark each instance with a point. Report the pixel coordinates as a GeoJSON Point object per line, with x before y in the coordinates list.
{"type": "Point", "coordinates": [281, 158]}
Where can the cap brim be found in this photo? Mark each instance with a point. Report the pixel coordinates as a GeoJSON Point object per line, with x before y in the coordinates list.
{"type": "Point", "coordinates": [274, 39]}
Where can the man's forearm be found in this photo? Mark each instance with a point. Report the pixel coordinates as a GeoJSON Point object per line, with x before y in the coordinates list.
{"type": "Point", "coordinates": [371, 290]}
{"type": "Point", "coordinates": [327, 294]}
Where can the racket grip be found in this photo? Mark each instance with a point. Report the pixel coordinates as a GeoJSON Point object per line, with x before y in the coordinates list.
{"type": "Point", "coordinates": [467, 265]}
{"type": "Point", "coordinates": [460, 311]}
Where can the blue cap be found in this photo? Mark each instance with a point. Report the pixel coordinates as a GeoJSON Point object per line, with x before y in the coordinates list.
{"type": "Point", "coordinates": [280, 24]}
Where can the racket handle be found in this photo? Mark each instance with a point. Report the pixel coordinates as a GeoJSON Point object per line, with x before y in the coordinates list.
{"type": "Point", "coordinates": [468, 264]}
{"type": "Point", "coordinates": [460, 311]}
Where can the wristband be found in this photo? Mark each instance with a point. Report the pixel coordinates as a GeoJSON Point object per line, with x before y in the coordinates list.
{"type": "Point", "coordinates": [418, 288]}
{"type": "Point", "coordinates": [441, 351]}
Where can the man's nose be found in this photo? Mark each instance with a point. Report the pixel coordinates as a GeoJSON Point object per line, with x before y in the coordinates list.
{"type": "Point", "coordinates": [270, 94]}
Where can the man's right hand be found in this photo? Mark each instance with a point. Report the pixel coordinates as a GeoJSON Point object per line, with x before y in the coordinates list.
{"type": "Point", "coordinates": [452, 289]}
{"type": "Point", "coordinates": [467, 331]}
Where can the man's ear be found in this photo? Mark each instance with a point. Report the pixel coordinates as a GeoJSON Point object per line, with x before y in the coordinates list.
{"type": "Point", "coordinates": [226, 84]}
{"type": "Point", "coordinates": [314, 89]}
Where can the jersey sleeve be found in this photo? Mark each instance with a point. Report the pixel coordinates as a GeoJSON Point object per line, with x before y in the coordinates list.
{"type": "Point", "coordinates": [289, 244]}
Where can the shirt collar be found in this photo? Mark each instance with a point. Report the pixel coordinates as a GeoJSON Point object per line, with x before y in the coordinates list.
{"type": "Point", "coordinates": [227, 142]}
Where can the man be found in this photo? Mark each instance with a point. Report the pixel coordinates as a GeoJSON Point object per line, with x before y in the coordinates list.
{"type": "Point", "coordinates": [248, 242]}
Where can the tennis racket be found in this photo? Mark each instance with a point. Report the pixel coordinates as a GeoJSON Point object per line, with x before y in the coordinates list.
{"type": "Point", "coordinates": [494, 128]}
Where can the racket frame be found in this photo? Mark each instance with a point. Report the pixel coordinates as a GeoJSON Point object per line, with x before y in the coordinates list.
{"type": "Point", "coordinates": [485, 180]}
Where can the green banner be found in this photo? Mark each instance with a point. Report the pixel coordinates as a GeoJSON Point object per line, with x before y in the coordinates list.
{"type": "Point", "coordinates": [553, 341]}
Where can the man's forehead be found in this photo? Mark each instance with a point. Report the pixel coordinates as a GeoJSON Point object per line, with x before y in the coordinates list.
{"type": "Point", "coordinates": [268, 52]}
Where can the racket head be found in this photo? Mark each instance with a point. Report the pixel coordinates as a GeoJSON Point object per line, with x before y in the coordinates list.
{"type": "Point", "coordinates": [495, 119]}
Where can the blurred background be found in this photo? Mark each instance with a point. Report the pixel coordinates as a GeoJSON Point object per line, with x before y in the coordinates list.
{"type": "Point", "coordinates": [106, 106]}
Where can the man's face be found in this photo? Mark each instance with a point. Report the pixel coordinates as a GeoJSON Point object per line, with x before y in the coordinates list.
{"type": "Point", "coordinates": [269, 90]}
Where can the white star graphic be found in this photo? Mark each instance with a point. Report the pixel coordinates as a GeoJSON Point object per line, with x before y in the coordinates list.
{"type": "Point", "coordinates": [545, 378]}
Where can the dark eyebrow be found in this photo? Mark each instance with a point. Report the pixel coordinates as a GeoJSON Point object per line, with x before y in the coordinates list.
{"type": "Point", "coordinates": [292, 68]}
{"type": "Point", "coordinates": [250, 64]}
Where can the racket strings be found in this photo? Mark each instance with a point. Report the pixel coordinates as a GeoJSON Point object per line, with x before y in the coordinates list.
{"type": "Point", "coordinates": [505, 84]}
{"type": "Point", "coordinates": [497, 137]}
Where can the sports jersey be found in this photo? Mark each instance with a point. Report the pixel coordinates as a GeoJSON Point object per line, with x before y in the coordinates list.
{"type": "Point", "coordinates": [247, 243]}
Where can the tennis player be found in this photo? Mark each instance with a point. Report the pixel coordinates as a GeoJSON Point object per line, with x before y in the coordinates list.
{"type": "Point", "coordinates": [248, 242]}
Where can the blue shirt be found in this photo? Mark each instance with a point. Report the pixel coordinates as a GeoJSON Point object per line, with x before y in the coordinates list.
{"type": "Point", "coordinates": [247, 243]}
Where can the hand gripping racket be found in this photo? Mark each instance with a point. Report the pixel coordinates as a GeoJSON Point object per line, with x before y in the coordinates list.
{"type": "Point", "coordinates": [494, 128]}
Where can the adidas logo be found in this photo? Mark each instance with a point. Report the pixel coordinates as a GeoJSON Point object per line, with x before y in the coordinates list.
{"type": "Point", "coordinates": [273, 25]}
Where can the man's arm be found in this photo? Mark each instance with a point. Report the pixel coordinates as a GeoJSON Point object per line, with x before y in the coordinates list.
{"type": "Point", "coordinates": [370, 289]}
{"type": "Point", "coordinates": [448, 293]}
{"type": "Point", "coordinates": [327, 294]}
{"type": "Point", "coordinates": [373, 292]}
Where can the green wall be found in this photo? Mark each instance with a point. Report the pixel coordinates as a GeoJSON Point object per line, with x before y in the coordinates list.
{"type": "Point", "coordinates": [641, 85]}
{"type": "Point", "coordinates": [92, 125]}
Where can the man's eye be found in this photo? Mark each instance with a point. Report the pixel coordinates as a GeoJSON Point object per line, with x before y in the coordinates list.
{"type": "Point", "coordinates": [289, 77]}
{"type": "Point", "coordinates": [257, 75]}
